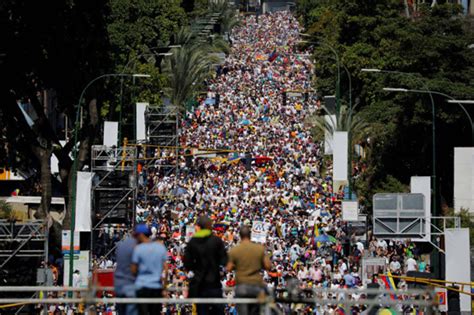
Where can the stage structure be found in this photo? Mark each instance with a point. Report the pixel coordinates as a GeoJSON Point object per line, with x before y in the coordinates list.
{"type": "Point", "coordinates": [159, 157]}
{"type": "Point", "coordinates": [23, 239]}
{"type": "Point", "coordinates": [113, 186]}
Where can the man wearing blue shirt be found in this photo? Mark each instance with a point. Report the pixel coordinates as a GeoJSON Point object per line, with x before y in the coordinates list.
{"type": "Point", "coordinates": [150, 267]}
{"type": "Point", "coordinates": [349, 279]}
{"type": "Point", "coordinates": [124, 280]}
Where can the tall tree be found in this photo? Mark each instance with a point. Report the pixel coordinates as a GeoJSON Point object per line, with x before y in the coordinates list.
{"type": "Point", "coordinates": [188, 67]}
{"type": "Point", "coordinates": [433, 44]}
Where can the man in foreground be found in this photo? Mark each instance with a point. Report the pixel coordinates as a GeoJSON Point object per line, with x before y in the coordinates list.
{"type": "Point", "coordinates": [248, 259]}
{"type": "Point", "coordinates": [124, 280]}
{"type": "Point", "coordinates": [150, 266]}
{"type": "Point", "coordinates": [204, 255]}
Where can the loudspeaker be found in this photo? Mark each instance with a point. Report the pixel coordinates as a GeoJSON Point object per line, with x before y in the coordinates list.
{"type": "Point", "coordinates": [188, 158]}
{"type": "Point", "coordinates": [218, 99]}
{"type": "Point", "coordinates": [248, 161]}
{"type": "Point", "coordinates": [454, 305]}
{"type": "Point", "coordinates": [371, 296]}
{"type": "Point", "coordinates": [421, 275]}
{"type": "Point", "coordinates": [330, 104]}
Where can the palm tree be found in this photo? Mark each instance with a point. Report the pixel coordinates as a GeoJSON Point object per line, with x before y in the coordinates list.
{"type": "Point", "coordinates": [357, 127]}
{"type": "Point", "coordinates": [188, 66]}
{"type": "Point", "coordinates": [228, 18]}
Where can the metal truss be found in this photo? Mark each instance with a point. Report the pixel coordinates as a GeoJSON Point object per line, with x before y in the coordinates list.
{"type": "Point", "coordinates": [14, 236]}
{"type": "Point", "coordinates": [112, 158]}
{"type": "Point", "coordinates": [113, 188]}
{"type": "Point", "coordinates": [163, 132]}
{"type": "Point", "coordinates": [413, 227]}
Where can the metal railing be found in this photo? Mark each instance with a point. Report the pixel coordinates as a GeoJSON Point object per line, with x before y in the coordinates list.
{"type": "Point", "coordinates": [422, 299]}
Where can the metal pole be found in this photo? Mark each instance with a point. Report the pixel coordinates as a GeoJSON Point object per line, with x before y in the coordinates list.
{"type": "Point", "coordinates": [338, 80]}
{"type": "Point", "coordinates": [65, 127]}
{"type": "Point", "coordinates": [433, 176]}
{"type": "Point", "coordinates": [349, 127]}
{"type": "Point", "coordinates": [434, 209]}
{"type": "Point", "coordinates": [74, 169]}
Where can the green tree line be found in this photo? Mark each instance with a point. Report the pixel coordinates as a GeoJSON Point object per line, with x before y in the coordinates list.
{"type": "Point", "coordinates": [53, 49]}
{"type": "Point", "coordinates": [432, 43]}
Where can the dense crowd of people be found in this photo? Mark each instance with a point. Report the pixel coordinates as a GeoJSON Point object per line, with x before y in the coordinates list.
{"type": "Point", "coordinates": [267, 168]}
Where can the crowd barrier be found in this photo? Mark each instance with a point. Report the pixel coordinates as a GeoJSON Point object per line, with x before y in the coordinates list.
{"type": "Point", "coordinates": [423, 299]}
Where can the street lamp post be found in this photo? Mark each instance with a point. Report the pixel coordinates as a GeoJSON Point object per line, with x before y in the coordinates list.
{"type": "Point", "coordinates": [338, 102]}
{"type": "Point", "coordinates": [75, 165]}
{"type": "Point", "coordinates": [338, 80]}
{"type": "Point", "coordinates": [434, 209]}
{"type": "Point", "coordinates": [126, 68]}
{"type": "Point", "coordinates": [451, 100]}
{"type": "Point", "coordinates": [403, 90]}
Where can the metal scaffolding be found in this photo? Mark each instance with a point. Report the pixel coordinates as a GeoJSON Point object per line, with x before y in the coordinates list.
{"type": "Point", "coordinates": [23, 239]}
{"type": "Point", "coordinates": [113, 187]}
{"type": "Point", "coordinates": [162, 156]}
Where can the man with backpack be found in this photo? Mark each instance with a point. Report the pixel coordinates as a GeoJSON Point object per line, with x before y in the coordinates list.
{"type": "Point", "coordinates": [204, 255]}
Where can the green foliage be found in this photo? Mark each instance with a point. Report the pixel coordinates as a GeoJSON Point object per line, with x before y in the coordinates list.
{"type": "Point", "coordinates": [135, 24]}
{"type": "Point", "coordinates": [188, 67]}
{"type": "Point", "coordinates": [138, 32]}
{"type": "Point", "coordinates": [358, 128]}
{"type": "Point", "coordinates": [228, 19]}
{"type": "Point", "coordinates": [432, 44]}
{"type": "Point", "coordinates": [467, 220]}
{"type": "Point", "coordinates": [6, 210]}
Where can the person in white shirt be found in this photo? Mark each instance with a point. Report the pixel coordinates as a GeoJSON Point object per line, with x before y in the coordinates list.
{"type": "Point", "coordinates": [411, 264]}
{"type": "Point", "coordinates": [342, 266]}
{"type": "Point", "coordinates": [382, 243]}
{"type": "Point", "coordinates": [76, 279]}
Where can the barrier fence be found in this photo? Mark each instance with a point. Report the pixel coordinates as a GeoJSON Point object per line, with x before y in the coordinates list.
{"type": "Point", "coordinates": [423, 299]}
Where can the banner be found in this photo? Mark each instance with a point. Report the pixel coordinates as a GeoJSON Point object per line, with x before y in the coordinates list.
{"type": "Point", "coordinates": [259, 232]}
{"type": "Point", "coordinates": [442, 298]}
{"type": "Point", "coordinates": [190, 230]}
{"type": "Point", "coordinates": [340, 156]}
{"type": "Point", "coordinates": [140, 121]}
{"type": "Point", "coordinates": [458, 263]}
{"type": "Point", "coordinates": [66, 241]}
{"type": "Point", "coordinates": [463, 179]}
{"type": "Point", "coordinates": [110, 133]}
{"type": "Point", "coordinates": [330, 120]}
{"type": "Point", "coordinates": [350, 211]}
{"type": "Point", "coordinates": [422, 185]}
{"type": "Point", "coordinates": [83, 201]}
{"type": "Point", "coordinates": [81, 267]}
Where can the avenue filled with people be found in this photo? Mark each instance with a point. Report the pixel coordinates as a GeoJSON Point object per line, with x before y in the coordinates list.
{"type": "Point", "coordinates": [267, 169]}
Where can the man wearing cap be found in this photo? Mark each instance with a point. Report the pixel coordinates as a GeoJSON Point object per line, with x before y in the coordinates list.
{"type": "Point", "coordinates": [203, 256]}
{"type": "Point", "coordinates": [150, 266]}
{"type": "Point", "coordinates": [124, 280]}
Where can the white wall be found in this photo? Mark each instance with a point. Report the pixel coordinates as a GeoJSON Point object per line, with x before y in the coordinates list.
{"type": "Point", "coordinates": [422, 185]}
{"type": "Point", "coordinates": [140, 121]}
{"type": "Point", "coordinates": [458, 262]}
{"type": "Point", "coordinates": [464, 179]}
{"type": "Point", "coordinates": [340, 156]}
{"type": "Point", "coordinates": [110, 133]}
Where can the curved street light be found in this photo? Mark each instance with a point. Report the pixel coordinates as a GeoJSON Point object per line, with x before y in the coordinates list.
{"type": "Point", "coordinates": [75, 162]}
{"type": "Point", "coordinates": [451, 100]}
{"type": "Point", "coordinates": [338, 81]}
{"type": "Point", "coordinates": [126, 68]}
{"type": "Point", "coordinates": [433, 129]}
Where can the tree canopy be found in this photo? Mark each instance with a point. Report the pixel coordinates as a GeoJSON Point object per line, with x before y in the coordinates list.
{"type": "Point", "coordinates": [53, 50]}
{"type": "Point", "coordinates": [432, 43]}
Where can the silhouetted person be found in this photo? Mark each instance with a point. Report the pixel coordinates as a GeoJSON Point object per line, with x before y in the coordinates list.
{"type": "Point", "coordinates": [204, 255]}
